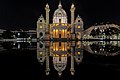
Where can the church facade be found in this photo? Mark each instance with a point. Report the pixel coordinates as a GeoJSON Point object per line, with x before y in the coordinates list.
{"type": "Point", "coordinates": [60, 28]}
{"type": "Point", "coordinates": [59, 55]}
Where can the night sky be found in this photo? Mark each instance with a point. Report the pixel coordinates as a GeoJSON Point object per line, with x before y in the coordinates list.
{"type": "Point", "coordinates": [23, 14]}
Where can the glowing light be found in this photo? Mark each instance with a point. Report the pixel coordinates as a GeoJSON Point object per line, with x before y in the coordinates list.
{"type": "Point", "coordinates": [56, 48]}
{"type": "Point", "coordinates": [53, 46]}
{"type": "Point", "coordinates": [54, 33]}
{"type": "Point", "coordinates": [57, 24]}
{"type": "Point", "coordinates": [40, 53]}
{"type": "Point", "coordinates": [78, 26]}
{"type": "Point", "coordinates": [79, 33]}
{"type": "Point", "coordinates": [41, 27]}
{"type": "Point", "coordinates": [57, 55]}
{"type": "Point", "coordinates": [57, 35]}
{"type": "Point", "coordinates": [79, 46]}
{"type": "Point", "coordinates": [79, 43]}
{"type": "Point", "coordinates": [65, 24]}
{"type": "Point", "coordinates": [63, 55]}
{"type": "Point", "coordinates": [79, 53]}
{"type": "Point", "coordinates": [63, 32]}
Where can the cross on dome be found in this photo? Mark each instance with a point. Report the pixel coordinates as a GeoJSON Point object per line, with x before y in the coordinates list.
{"type": "Point", "coordinates": [60, 5]}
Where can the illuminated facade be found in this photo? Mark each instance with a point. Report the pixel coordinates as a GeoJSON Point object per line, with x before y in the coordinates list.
{"type": "Point", "coordinates": [59, 51]}
{"type": "Point", "coordinates": [60, 28]}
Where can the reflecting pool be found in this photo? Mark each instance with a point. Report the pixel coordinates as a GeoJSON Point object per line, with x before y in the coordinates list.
{"type": "Point", "coordinates": [47, 59]}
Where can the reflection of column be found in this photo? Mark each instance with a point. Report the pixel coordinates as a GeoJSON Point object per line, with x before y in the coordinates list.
{"type": "Point", "coordinates": [65, 32]}
{"type": "Point", "coordinates": [51, 34]}
{"type": "Point", "coordinates": [38, 45]}
{"type": "Point", "coordinates": [47, 62]}
{"type": "Point", "coordinates": [72, 62]}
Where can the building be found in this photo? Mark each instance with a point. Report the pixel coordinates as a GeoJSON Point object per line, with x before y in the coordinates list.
{"type": "Point", "coordinates": [60, 28]}
{"type": "Point", "coordinates": [59, 51]}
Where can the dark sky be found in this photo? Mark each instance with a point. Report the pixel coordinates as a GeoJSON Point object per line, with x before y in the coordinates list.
{"type": "Point", "coordinates": [16, 14]}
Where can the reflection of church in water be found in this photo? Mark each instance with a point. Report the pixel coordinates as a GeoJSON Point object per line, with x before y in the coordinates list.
{"type": "Point", "coordinates": [60, 29]}
{"type": "Point", "coordinates": [59, 51]}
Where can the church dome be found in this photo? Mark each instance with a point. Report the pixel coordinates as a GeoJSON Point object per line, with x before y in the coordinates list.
{"type": "Point", "coordinates": [60, 12]}
{"type": "Point", "coordinates": [60, 15]}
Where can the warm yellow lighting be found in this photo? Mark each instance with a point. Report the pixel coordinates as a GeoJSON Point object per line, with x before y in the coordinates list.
{"type": "Point", "coordinates": [65, 46]}
{"type": "Point", "coordinates": [57, 34]}
{"type": "Point", "coordinates": [79, 46]}
{"type": "Point", "coordinates": [79, 53]}
{"type": "Point", "coordinates": [79, 43]}
{"type": "Point", "coordinates": [68, 32]}
{"type": "Point", "coordinates": [68, 47]}
{"type": "Point", "coordinates": [63, 32]}
{"type": "Point", "coordinates": [65, 24]}
{"type": "Point", "coordinates": [79, 33]}
{"type": "Point", "coordinates": [54, 33]}
{"type": "Point", "coordinates": [57, 24]}
{"type": "Point", "coordinates": [57, 55]}
{"type": "Point", "coordinates": [63, 55]}
{"type": "Point", "coordinates": [78, 26]}
{"type": "Point", "coordinates": [63, 49]}
{"type": "Point", "coordinates": [41, 27]}
{"type": "Point", "coordinates": [54, 47]}
{"type": "Point", "coordinates": [40, 53]}
{"type": "Point", "coordinates": [78, 37]}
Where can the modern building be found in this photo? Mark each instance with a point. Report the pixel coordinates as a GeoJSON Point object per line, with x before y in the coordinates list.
{"type": "Point", "coordinates": [60, 28]}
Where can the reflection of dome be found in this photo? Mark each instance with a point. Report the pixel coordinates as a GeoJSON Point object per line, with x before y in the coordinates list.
{"type": "Point", "coordinates": [60, 64]}
{"type": "Point", "coordinates": [60, 67]}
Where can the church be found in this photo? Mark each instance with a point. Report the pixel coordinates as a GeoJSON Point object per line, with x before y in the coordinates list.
{"type": "Point", "coordinates": [60, 28]}
{"type": "Point", "coordinates": [59, 55]}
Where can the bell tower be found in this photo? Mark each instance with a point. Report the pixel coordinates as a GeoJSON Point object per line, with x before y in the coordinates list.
{"type": "Point", "coordinates": [41, 27]}
{"type": "Point", "coordinates": [79, 27]}
{"type": "Point", "coordinates": [47, 17]}
{"type": "Point", "coordinates": [72, 13]}
{"type": "Point", "coordinates": [72, 20]}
